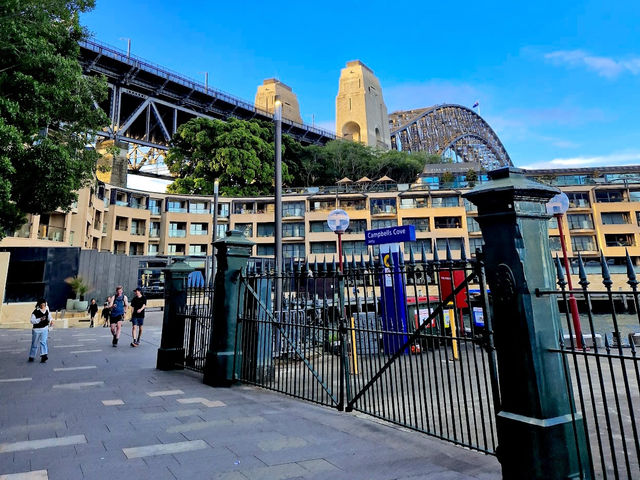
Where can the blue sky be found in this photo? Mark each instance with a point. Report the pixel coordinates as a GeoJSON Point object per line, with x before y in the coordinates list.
{"type": "Point", "coordinates": [558, 81]}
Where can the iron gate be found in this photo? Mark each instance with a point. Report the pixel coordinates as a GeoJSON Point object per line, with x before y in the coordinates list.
{"type": "Point", "coordinates": [340, 340]}
{"type": "Point", "coordinates": [599, 353]}
{"type": "Point", "coordinates": [198, 315]}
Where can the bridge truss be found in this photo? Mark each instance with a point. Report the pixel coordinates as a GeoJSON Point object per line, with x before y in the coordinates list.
{"type": "Point", "coordinates": [147, 103]}
{"type": "Point", "coordinates": [451, 131]}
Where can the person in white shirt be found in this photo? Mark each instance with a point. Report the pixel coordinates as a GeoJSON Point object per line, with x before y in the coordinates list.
{"type": "Point", "coordinates": [41, 320]}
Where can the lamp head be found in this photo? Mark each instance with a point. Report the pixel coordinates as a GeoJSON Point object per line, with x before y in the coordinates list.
{"type": "Point", "coordinates": [558, 204]}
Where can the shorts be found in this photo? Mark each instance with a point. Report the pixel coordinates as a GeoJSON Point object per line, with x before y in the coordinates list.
{"type": "Point", "coordinates": [137, 321]}
{"type": "Point", "coordinates": [116, 319]}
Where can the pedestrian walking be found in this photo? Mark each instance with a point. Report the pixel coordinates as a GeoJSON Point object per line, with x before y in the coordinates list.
{"type": "Point", "coordinates": [41, 320]}
{"type": "Point", "coordinates": [93, 310]}
{"type": "Point", "coordinates": [106, 313]}
{"type": "Point", "coordinates": [118, 304]}
{"type": "Point", "coordinates": [138, 304]}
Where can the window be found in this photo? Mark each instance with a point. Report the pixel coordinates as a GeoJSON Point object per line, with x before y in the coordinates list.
{"type": "Point", "coordinates": [199, 207]}
{"type": "Point", "coordinates": [447, 222]}
{"type": "Point", "coordinates": [136, 248]}
{"type": "Point", "coordinates": [153, 249]}
{"type": "Point", "coordinates": [121, 199]}
{"type": "Point", "coordinates": [421, 224]}
{"type": "Point", "coordinates": [320, 227]}
{"type": "Point", "coordinates": [472, 225]}
{"type": "Point", "coordinates": [609, 196]}
{"type": "Point", "coordinates": [580, 221]}
{"type": "Point", "coordinates": [383, 205]}
{"type": "Point", "coordinates": [175, 249]}
{"type": "Point", "coordinates": [222, 230]}
{"type": "Point", "coordinates": [583, 243]}
{"type": "Point", "coordinates": [293, 209]}
{"type": "Point", "coordinates": [137, 202]}
{"type": "Point", "coordinates": [265, 230]}
{"type": "Point", "coordinates": [265, 207]}
{"type": "Point", "coordinates": [619, 240]}
{"type": "Point", "coordinates": [357, 247]}
{"type": "Point", "coordinates": [615, 218]}
{"type": "Point", "coordinates": [553, 223]}
{"type": "Point", "coordinates": [223, 210]}
{"type": "Point", "coordinates": [176, 206]}
{"type": "Point", "coordinates": [138, 227]}
{"type": "Point", "coordinates": [554, 244]}
{"type": "Point", "coordinates": [353, 203]}
{"type": "Point", "coordinates": [197, 249]}
{"type": "Point", "coordinates": [417, 248]}
{"type": "Point", "coordinates": [294, 250]}
{"type": "Point", "coordinates": [448, 201]}
{"type": "Point", "coordinates": [416, 202]}
{"type": "Point", "coordinates": [475, 244]}
{"type": "Point", "coordinates": [155, 206]}
{"type": "Point", "coordinates": [199, 229]}
{"type": "Point", "coordinates": [320, 205]}
{"type": "Point", "coordinates": [122, 224]}
{"type": "Point", "coordinates": [177, 229]}
{"type": "Point", "coordinates": [293, 229]}
{"type": "Point", "coordinates": [383, 223]}
{"type": "Point", "coordinates": [265, 249]}
{"type": "Point", "coordinates": [357, 226]}
{"type": "Point", "coordinates": [578, 199]}
{"type": "Point", "coordinates": [245, 228]}
{"type": "Point", "coordinates": [324, 247]}
{"type": "Point", "coordinates": [154, 229]}
{"type": "Point", "coordinates": [634, 195]}
{"type": "Point", "coordinates": [454, 243]}
{"type": "Point", "coordinates": [469, 207]}
{"type": "Point", "coordinates": [119, 248]}
{"type": "Point", "coordinates": [240, 208]}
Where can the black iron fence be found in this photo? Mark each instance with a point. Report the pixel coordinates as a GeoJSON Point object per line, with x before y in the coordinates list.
{"type": "Point", "coordinates": [198, 314]}
{"type": "Point", "coordinates": [408, 342]}
{"type": "Point", "coordinates": [600, 354]}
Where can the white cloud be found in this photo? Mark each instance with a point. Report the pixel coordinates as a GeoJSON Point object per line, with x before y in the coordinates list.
{"type": "Point", "coordinates": [604, 66]}
{"type": "Point", "coordinates": [612, 159]}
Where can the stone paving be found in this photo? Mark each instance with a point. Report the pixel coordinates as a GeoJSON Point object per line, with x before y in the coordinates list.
{"type": "Point", "coordinates": [94, 411]}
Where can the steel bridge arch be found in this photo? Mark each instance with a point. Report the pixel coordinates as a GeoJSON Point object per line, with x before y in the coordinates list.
{"type": "Point", "coordinates": [437, 128]}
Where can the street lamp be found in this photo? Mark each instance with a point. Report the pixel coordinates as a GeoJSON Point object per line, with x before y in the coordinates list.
{"type": "Point", "coordinates": [214, 235]}
{"type": "Point", "coordinates": [557, 206]}
{"type": "Point", "coordinates": [277, 230]}
{"type": "Point", "coordinates": [338, 221]}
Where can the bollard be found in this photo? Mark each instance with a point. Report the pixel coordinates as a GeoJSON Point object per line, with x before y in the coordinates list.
{"type": "Point", "coordinates": [224, 356]}
{"type": "Point", "coordinates": [537, 436]}
{"type": "Point", "coordinates": [171, 351]}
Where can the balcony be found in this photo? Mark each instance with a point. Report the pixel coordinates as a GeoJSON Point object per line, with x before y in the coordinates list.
{"type": "Point", "coordinates": [47, 232]}
{"type": "Point", "coordinates": [177, 234]}
{"type": "Point", "coordinates": [138, 231]}
{"type": "Point", "coordinates": [154, 233]}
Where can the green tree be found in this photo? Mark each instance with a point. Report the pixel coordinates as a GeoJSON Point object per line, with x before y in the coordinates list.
{"type": "Point", "coordinates": [239, 153]}
{"type": "Point", "coordinates": [47, 114]}
{"type": "Point", "coordinates": [402, 167]}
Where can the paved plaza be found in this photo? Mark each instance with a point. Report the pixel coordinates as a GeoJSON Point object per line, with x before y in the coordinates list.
{"type": "Point", "coordinates": [94, 411]}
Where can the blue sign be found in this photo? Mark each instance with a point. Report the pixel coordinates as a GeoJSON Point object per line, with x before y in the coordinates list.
{"type": "Point", "coordinates": [379, 236]}
{"type": "Point", "coordinates": [393, 302]}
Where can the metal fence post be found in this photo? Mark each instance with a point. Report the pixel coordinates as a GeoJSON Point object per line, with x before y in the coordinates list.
{"type": "Point", "coordinates": [171, 351]}
{"type": "Point", "coordinates": [224, 357]}
{"type": "Point", "coordinates": [539, 436]}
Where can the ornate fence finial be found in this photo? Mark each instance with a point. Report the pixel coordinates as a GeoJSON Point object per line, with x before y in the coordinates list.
{"type": "Point", "coordinates": [582, 274]}
{"type": "Point", "coordinates": [560, 272]}
{"type": "Point", "coordinates": [449, 257]}
{"type": "Point", "coordinates": [606, 276]}
{"type": "Point", "coordinates": [631, 271]}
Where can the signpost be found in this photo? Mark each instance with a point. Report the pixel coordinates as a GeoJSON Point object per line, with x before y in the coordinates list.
{"type": "Point", "coordinates": [338, 221]}
{"type": "Point", "coordinates": [394, 301]}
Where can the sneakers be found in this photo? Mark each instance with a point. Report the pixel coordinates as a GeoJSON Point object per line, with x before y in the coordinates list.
{"type": "Point", "coordinates": [30, 359]}
{"type": "Point", "coordinates": [44, 358]}
{"type": "Point", "coordinates": [134, 344]}
{"type": "Point", "coordinates": [115, 341]}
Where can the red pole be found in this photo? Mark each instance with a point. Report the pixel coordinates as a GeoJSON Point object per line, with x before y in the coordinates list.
{"type": "Point", "coordinates": [573, 304]}
{"type": "Point", "coordinates": [340, 249]}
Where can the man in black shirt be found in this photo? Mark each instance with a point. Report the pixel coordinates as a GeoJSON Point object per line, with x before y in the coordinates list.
{"type": "Point", "coordinates": [138, 303]}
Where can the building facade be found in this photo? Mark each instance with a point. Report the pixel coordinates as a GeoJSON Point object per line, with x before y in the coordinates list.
{"type": "Point", "coordinates": [604, 215]}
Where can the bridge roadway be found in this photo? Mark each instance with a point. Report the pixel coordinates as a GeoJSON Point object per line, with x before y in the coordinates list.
{"type": "Point", "coordinates": [97, 412]}
{"type": "Point", "coordinates": [147, 103]}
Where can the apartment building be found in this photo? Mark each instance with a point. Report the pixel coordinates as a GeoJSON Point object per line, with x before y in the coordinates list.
{"type": "Point", "coordinates": [604, 215]}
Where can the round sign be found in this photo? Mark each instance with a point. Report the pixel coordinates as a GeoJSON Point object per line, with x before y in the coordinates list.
{"type": "Point", "coordinates": [558, 204]}
{"type": "Point", "coordinates": [338, 220]}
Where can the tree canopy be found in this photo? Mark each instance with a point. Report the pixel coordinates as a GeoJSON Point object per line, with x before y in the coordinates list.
{"type": "Point", "coordinates": [47, 113]}
{"type": "Point", "coordinates": [241, 155]}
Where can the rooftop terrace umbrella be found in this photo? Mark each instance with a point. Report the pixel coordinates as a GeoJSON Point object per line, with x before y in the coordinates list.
{"type": "Point", "coordinates": [345, 180]}
{"type": "Point", "coordinates": [364, 180]}
{"type": "Point", "coordinates": [385, 179]}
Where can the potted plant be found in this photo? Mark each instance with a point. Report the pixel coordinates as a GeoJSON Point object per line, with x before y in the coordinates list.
{"type": "Point", "coordinates": [80, 288]}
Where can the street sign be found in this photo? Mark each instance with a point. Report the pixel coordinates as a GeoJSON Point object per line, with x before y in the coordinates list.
{"type": "Point", "coordinates": [379, 236]}
{"type": "Point", "coordinates": [338, 220]}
